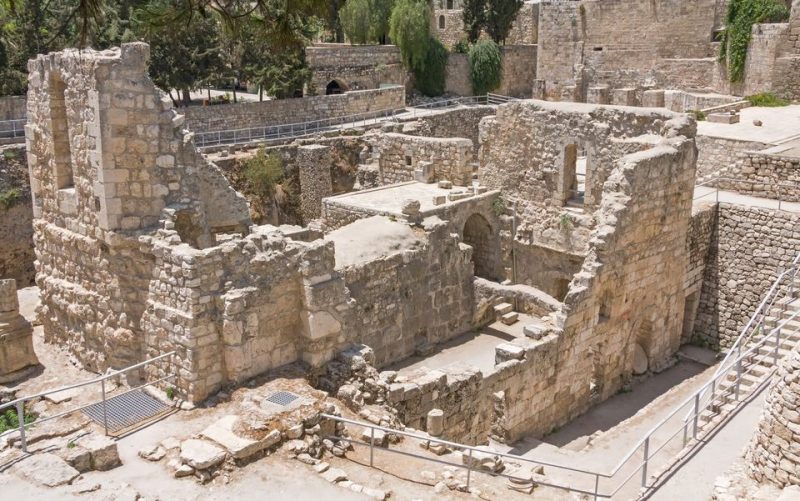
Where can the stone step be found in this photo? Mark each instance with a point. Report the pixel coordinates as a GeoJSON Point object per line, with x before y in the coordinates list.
{"type": "Point", "coordinates": [510, 318]}
{"type": "Point", "coordinates": [503, 308]}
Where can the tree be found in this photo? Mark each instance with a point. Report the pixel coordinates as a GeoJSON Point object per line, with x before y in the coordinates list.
{"type": "Point", "coordinates": [486, 67]}
{"type": "Point", "coordinates": [410, 31]}
{"type": "Point", "coordinates": [381, 13]}
{"type": "Point", "coordinates": [500, 15]}
{"type": "Point", "coordinates": [430, 79]}
{"type": "Point", "coordinates": [473, 14]}
{"type": "Point", "coordinates": [356, 20]}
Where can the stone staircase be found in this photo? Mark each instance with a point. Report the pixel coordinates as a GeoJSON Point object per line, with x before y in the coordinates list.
{"type": "Point", "coordinates": [504, 312]}
{"type": "Point", "coordinates": [758, 367]}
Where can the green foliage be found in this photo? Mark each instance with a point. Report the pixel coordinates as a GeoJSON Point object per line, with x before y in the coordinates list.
{"type": "Point", "coordinates": [356, 20]}
{"type": "Point", "coordinates": [430, 79]}
{"type": "Point", "coordinates": [171, 392]}
{"type": "Point", "coordinates": [9, 198]}
{"type": "Point", "coordinates": [739, 20]}
{"type": "Point", "coordinates": [473, 13]}
{"type": "Point", "coordinates": [10, 421]}
{"type": "Point", "coordinates": [699, 115]}
{"type": "Point", "coordinates": [499, 206]}
{"type": "Point", "coordinates": [500, 14]}
{"type": "Point", "coordinates": [565, 222]}
{"type": "Point", "coordinates": [381, 14]}
{"type": "Point", "coordinates": [264, 172]}
{"type": "Point", "coordinates": [767, 99]}
{"type": "Point", "coordinates": [486, 67]}
{"type": "Point", "coordinates": [9, 154]}
{"type": "Point", "coordinates": [409, 30]}
{"type": "Point", "coordinates": [461, 47]}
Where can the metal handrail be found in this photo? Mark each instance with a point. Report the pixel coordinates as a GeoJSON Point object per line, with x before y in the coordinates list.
{"type": "Point", "coordinates": [12, 129]}
{"type": "Point", "coordinates": [19, 403]}
{"type": "Point", "coordinates": [777, 185]}
{"type": "Point", "coordinates": [642, 445]}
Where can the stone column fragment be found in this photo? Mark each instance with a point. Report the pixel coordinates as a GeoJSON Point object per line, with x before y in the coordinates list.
{"type": "Point", "coordinates": [16, 336]}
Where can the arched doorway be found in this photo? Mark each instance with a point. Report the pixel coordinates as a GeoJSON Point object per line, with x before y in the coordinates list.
{"type": "Point", "coordinates": [478, 235]}
{"type": "Point", "coordinates": [334, 87]}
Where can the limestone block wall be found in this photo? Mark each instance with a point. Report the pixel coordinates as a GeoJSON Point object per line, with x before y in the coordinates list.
{"type": "Point", "coordinates": [524, 30]}
{"type": "Point", "coordinates": [400, 154]}
{"type": "Point", "coordinates": [457, 122]}
{"type": "Point", "coordinates": [718, 156]}
{"type": "Point", "coordinates": [765, 175]}
{"type": "Point", "coordinates": [411, 299]}
{"type": "Point", "coordinates": [354, 67]}
{"type": "Point", "coordinates": [16, 335]}
{"type": "Point", "coordinates": [787, 62]}
{"type": "Point", "coordinates": [518, 76]}
{"type": "Point", "coordinates": [748, 246]}
{"type": "Point", "coordinates": [772, 455]}
{"type": "Point", "coordinates": [314, 167]}
{"type": "Point", "coordinates": [16, 217]}
{"type": "Point", "coordinates": [699, 241]}
{"type": "Point", "coordinates": [12, 107]}
{"type": "Point", "coordinates": [288, 111]}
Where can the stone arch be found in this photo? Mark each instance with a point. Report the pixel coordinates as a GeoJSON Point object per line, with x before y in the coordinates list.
{"type": "Point", "coordinates": [441, 22]}
{"type": "Point", "coordinates": [59, 128]}
{"type": "Point", "coordinates": [478, 235]}
{"type": "Point", "coordinates": [335, 87]}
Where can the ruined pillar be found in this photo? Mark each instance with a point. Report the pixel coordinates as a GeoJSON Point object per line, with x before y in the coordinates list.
{"type": "Point", "coordinates": [16, 336]}
{"type": "Point", "coordinates": [314, 166]}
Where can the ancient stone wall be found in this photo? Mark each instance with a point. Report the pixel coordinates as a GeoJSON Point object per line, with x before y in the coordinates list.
{"type": "Point", "coordinates": [722, 156]}
{"type": "Point", "coordinates": [12, 107]}
{"type": "Point", "coordinates": [764, 175]}
{"type": "Point", "coordinates": [354, 67]}
{"type": "Point", "coordinates": [16, 217]}
{"type": "Point", "coordinates": [698, 247]}
{"type": "Point", "coordinates": [518, 76]}
{"type": "Point", "coordinates": [457, 122]}
{"type": "Point", "coordinates": [749, 245]}
{"type": "Point", "coordinates": [289, 111]}
{"type": "Point", "coordinates": [457, 79]}
{"type": "Point", "coordinates": [772, 456]}
{"type": "Point", "coordinates": [524, 30]}
{"type": "Point", "coordinates": [314, 166]}
{"type": "Point", "coordinates": [787, 65]}
{"type": "Point", "coordinates": [400, 155]}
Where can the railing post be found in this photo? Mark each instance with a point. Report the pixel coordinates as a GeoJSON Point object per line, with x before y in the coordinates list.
{"type": "Point", "coordinates": [777, 345]}
{"type": "Point", "coordinates": [596, 485]}
{"type": "Point", "coordinates": [105, 413]}
{"type": "Point", "coordinates": [696, 415]}
{"type": "Point", "coordinates": [645, 460]}
{"type": "Point", "coordinates": [21, 419]}
{"type": "Point", "coordinates": [738, 376]}
{"type": "Point", "coordinates": [469, 468]}
{"type": "Point", "coordinates": [371, 445]}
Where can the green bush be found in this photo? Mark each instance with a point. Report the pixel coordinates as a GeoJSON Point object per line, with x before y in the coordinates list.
{"type": "Point", "coordinates": [9, 420]}
{"type": "Point", "coordinates": [486, 67]}
{"type": "Point", "coordinates": [499, 206]}
{"type": "Point", "coordinates": [9, 198]}
{"type": "Point", "coordinates": [409, 30]}
{"type": "Point", "coordinates": [9, 154]}
{"type": "Point", "coordinates": [739, 20]}
{"type": "Point", "coordinates": [699, 115]}
{"type": "Point", "coordinates": [264, 171]}
{"type": "Point", "coordinates": [767, 99]}
{"type": "Point", "coordinates": [461, 47]}
{"type": "Point", "coordinates": [430, 79]}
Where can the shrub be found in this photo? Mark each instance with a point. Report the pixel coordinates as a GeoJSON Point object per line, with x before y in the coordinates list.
{"type": "Point", "coordinates": [486, 67]}
{"type": "Point", "coordinates": [499, 206]}
{"type": "Point", "coordinates": [461, 47]}
{"type": "Point", "coordinates": [10, 197]}
{"type": "Point", "coordinates": [767, 99]}
{"type": "Point", "coordinates": [171, 392]}
{"type": "Point", "coordinates": [264, 171]}
{"type": "Point", "coordinates": [9, 154]}
{"type": "Point", "coordinates": [739, 20]}
{"type": "Point", "coordinates": [409, 30]}
{"type": "Point", "coordinates": [9, 420]}
{"type": "Point", "coordinates": [430, 79]}
{"type": "Point", "coordinates": [698, 115]}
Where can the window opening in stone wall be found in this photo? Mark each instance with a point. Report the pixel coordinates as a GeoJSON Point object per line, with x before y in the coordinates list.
{"type": "Point", "coordinates": [333, 88]}
{"type": "Point", "coordinates": [449, 4]}
{"type": "Point", "coordinates": [689, 308]}
{"type": "Point", "coordinates": [561, 288]}
{"type": "Point", "coordinates": [572, 191]}
{"type": "Point", "coordinates": [408, 159]}
{"type": "Point", "coordinates": [605, 309]}
{"type": "Point", "coordinates": [441, 22]}
{"type": "Point", "coordinates": [62, 152]}
{"type": "Point", "coordinates": [478, 235]}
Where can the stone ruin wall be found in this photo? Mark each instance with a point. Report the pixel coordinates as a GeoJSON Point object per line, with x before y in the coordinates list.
{"type": "Point", "coordinates": [518, 72]}
{"type": "Point", "coordinates": [774, 455]}
{"type": "Point", "coordinates": [699, 241]}
{"type": "Point", "coordinates": [748, 247]}
{"type": "Point", "coordinates": [12, 107]}
{"type": "Point", "coordinates": [400, 154]}
{"type": "Point", "coordinates": [354, 67]}
{"type": "Point", "coordinates": [458, 122]}
{"type": "Point", "coordinates": [721, 156]}
{"type": "Point", "coordinates": [16, 218]}
{"type": "Point", "coordinates": [223, 117]}
{"type": "Point", "coordinates": [764, 175]}
{"type": "Point", "coordinates": [524, 30]}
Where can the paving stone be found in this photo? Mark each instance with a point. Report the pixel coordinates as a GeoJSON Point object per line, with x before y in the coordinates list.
{"type": "Point", "coordinates": [200, 454]}
{"type": "Point", "coordinates": [47, 470]}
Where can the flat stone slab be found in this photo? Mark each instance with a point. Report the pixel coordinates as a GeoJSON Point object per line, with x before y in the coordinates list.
{"type": "Point", "coordinates": [103, 451]}
{"type": "Point", "coordinates": [47, 470]}
{"type": "Point", "coordinates": [62, 396]}
{"type": "Point", "coordinates": [200, 454]}
{"type": "Point", "coordinates": [222, 433]}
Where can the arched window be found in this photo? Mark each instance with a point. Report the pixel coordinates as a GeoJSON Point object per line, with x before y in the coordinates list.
{"type": "Point", "coordinates": [441, 22]}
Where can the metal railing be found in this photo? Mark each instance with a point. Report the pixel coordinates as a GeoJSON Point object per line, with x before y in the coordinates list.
{"type": "Point", "coordinates": [19, 403]}
{"type": "Point", "coordinates": [444, 104]}
{"type": "Point", "coordinates": [12, 129]}
{"type": "Point", "coordinates": [774, 186]}
{"type": "Point", "coordinates": [640, 459]}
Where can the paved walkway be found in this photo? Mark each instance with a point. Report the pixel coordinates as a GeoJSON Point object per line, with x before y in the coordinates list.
{"type": "Point", "coordinates": [703, 194]}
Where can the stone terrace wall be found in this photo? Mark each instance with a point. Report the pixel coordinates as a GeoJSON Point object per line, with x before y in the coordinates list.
{"type": "Point", "coordinates": [16, 217]}
{"type": "Point", "coordinates": [765, 175]}
{"type": "Point", "coordinates": [400, 154]}
{"type": "Point", "coordinates": [459, 122]}
{"type": "Point", "coordinates": [354, 67]}
{"type": "Point", "coordinates": [720, 156]}
{"type": "Point", "coordinates": [457, 80]}
{"type": "Point", "coordinates": [286, 111]}
{"type": "Point", "coordinates": [698, 248]}
{"type": "Point", "coordinates": [787, 64]}
{"type": "Point", "coordinates": [772, 455]}
{"type": "Point", "coordinates": [519, 72]}
{"type": "Point", "coordinates": [411, 299]}
{"type": "Point", "coordinates": [13, 107]}
{"type": "Point", "coordinates": [749, 245]}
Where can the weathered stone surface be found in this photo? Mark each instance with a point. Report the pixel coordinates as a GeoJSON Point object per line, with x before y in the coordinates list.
{"type": "Point", "coordinates": [103, 451]}
{"type": "Point", "coordinates": [47, 470]}
{"type": "Point", "coordinates": [200, 454]}
{"type": "Point", "coordinates": [222, 433]}
{"type": "Point", "coordinates": [16, 335]}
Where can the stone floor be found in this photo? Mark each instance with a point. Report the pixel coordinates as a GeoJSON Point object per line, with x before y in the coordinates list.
{"type": "Point", "coordinates": [777, 124]}
{"type": "Point", "coordinates": [389, 199]}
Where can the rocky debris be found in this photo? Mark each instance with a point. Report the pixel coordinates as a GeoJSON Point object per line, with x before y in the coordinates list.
{"type": "Point", "coordinates": [374, 436]}
{"type": "Point", "coordinates": [201, 455]}
{"type": "Point", "coordinates": [521, 481]}
{"type": "Point", "coordinates": [437, 448]}
{"type": "Point", "coordinates": [333, 475]}
{"type": "Point", "coordinates": [483, 459]}
{"type": "Point", "coordinates": [221, 432]}
{"type": "Point", "coordinates": [47, 470]}
{"type": "Point", "coordinates": [170, 443]}
{"type": "Point", "coordinates": [83, 486]}
{"type": "Point", "coordinates": [102, 450]}
{"type": "Point", "coordinates": [62, 396]}
{"type": "Point", "coordinates": [77, 457]}
{"type": "Point", "coordinates": [153, 452]}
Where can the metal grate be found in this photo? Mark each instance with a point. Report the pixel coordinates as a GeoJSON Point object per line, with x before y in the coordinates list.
{"type": "Point", "coordinates": [282, 398]}
{"type": "Point", "coordinates": [126, 410]}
